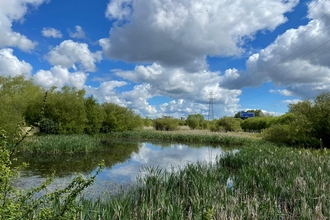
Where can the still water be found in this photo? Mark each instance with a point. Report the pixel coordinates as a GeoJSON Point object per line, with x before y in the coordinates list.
{"type": "Point", "coordinates": [124, 162]}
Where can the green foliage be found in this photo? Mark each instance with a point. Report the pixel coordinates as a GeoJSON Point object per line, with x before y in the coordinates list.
{"type": "Point", "coordinates": [147, 122]}
{"type": "Point", "coordinates": [256, 123]}
{"type": "Point", "coordinates": [16, 204]}
{"type": "Point", "coordinates": [16, 93]}
{"type": "Point", "coordinates": [307, 124]}
{"type": "Point", "coordinates": [118, 118]}
{"type": "Point", "coordinates": [48, 126]}
{"type": "Point", "coordinates": [166, 124]}
{"type": "Point", "coordinates": [193, 123]}
{"type": "Point", "coordinates": [64, 112]}
{"type": "Point", "coordinates": [229, 124]}
{"type": "Point", "coordinates": [196, 121]}
{"type": "Point", "coordinates": [59, 144]}
{"type": "Point", "coordinates": [95, 116]}
{"type": "Point", "coordinates": [321, 118]}
{"type": "Point", "coordinates": [67, 108]}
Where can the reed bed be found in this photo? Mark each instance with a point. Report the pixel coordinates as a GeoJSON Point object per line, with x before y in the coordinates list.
{"type": "Point", "coordinates": [57, 144]}
{"type": "Point", "coordinates": [261, 181]}
{"type": "Point", "coordinates": [188, 136]}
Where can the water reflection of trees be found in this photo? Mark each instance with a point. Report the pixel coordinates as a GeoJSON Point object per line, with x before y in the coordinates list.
{"type": "Point", "coordinates": [67, 164]}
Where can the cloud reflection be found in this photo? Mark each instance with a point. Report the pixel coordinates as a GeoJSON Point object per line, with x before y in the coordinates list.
{"type": "Point", "coordinates": [149, 155]}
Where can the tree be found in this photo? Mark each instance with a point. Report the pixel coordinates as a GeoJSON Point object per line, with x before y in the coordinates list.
{"type": "Point", "coordinates": [166, 124]}
{"type": "Point", "coordinates": [95, 116]}
{"type": "Point", "coordinates": [307, 124]}
{"type": "Point", "coordinates": [230, 124]}
{"type": "Point", "coordinates": [118, 118]}
{"type": "Point", "coordinates": [321, 118]}
{"type": "Point", "coordinates": [195, 121]}
{"type": "Point", "coordinates": [64, 109]}
{"type": "Point", "coordinates": [16, 93]}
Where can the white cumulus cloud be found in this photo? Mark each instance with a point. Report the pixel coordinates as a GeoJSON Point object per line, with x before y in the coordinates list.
{"type": "Point", "coordinates": [51, 32]}
{"type": "Point", "coordinates": [187, 88]}
{"type": "Point", "coordinates": [11, 11]}
{"type": "Point", "coordinates": [59, 77]}
{"type": "Point", "coordinates": [178, 83]}
{"type": "Point", "coordinates": [79, 33]}
{"type": "Point", "coordinates": [297, 60]}
{"type": "Point", "coordinates": [68, 53]}
{"type": "Point", "coordinates": [106, 91]}
{"type": "Point", "coordinates": [182, 33]}
{"type": "Point", "coordinates": [10, 65]}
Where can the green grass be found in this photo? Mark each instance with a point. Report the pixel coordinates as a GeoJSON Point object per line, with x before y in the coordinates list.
{"type": "Point", "coordinates": [203, 137]}
{"type": "Point", "coordinates": [57, 144]}
{"type": "Point", "coordinates": [268, 183]}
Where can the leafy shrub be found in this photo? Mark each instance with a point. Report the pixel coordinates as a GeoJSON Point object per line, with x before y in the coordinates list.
{"type": "Point", "coordinates": [118, 118]}
{"type": "Point", "coordinates": [19, 204]}
{"type": "Point", "coordinates": [48, 126]}
{"type": "Point", "coordinates": [229, 124]}
{"type": "Point", "coordinates": [166, 124]}
{"type": "Point", "coordinates": [196, 121]}
{"type": "Point", "coordinates": [277, 133]}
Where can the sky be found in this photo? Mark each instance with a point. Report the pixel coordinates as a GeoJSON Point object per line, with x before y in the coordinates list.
{"type": "Point", "coordinates": [172, 57]}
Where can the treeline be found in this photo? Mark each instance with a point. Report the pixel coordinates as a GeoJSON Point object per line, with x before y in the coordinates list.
{"type": "Point", "coordinates": [64, 111]}
{"type": "Point", "coordinates": [306, 124]}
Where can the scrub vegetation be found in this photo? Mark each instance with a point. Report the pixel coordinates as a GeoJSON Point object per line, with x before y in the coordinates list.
{"type": "Point", "coordinates": [64, 111]}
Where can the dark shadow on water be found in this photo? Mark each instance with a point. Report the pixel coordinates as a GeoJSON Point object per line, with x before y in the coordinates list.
{"type": "Point", "coordinates": [44, 165]}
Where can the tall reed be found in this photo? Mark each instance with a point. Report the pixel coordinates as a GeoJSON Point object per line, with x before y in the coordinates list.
{"type": "Point", "coordinates": [56, 144]}
{"type": "Point", "coordinates": [268, 182]}
{"type": "Point", "coordinates": [185, 137]}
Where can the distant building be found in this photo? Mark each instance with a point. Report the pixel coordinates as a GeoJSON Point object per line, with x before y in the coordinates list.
{"type": "Point", "coordinates": [183, 118]}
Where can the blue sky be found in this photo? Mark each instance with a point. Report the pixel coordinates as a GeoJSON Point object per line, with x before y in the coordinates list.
{"type": "Point", "coordinates": [165, 57]}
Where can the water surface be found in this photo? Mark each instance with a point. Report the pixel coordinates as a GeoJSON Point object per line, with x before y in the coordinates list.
{"type": "Point", "coordinates": [124, 162]}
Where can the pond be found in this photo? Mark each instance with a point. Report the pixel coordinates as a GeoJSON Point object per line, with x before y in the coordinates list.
{"type": "Point", "coordinates": [124, 162]}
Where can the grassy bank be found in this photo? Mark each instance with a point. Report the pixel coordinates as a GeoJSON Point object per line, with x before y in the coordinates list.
{"type": "Point", "coordinates": [57, 144]}
{"type": "Point", "coordinates": [268, 182]}
{"type": "Point", "coordinates": [188, 136]}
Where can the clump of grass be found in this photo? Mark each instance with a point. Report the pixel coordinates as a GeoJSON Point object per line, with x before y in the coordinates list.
{"type": "Point", "coordinates": [57, 144]}
{"type": "Point", "coordinates": [268, 183]}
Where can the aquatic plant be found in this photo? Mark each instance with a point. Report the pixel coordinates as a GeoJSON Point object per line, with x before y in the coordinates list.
{"type": "Point", "coordinates": [268, 182]}
{"type": "Point", "coordinates": [56, 144]}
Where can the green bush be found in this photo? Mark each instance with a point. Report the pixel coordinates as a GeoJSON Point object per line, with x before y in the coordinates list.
{"type": "Point", "coordinates": [307, 124]}
{"type": "Point", "coordinates": [166, 124]}
{"type": "Point", "coordinates": [48, 126]}
{"type": "Point", "coordinates": [278, 133]}
{"type": "Point", "coordinates": [118, 118]}
{"type": "Point", "coordinates": [196, 121]}
{"type": "Point", "coordinates": [19, 204]}
{"type": "Point", "coordinates": [229, 124]}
